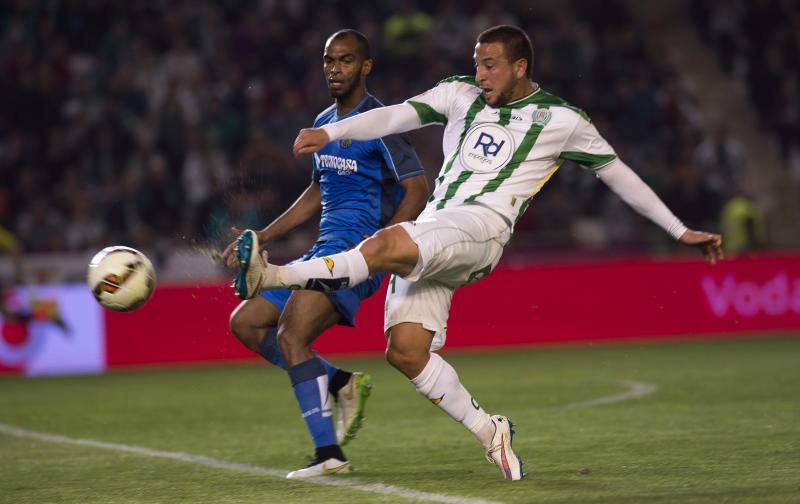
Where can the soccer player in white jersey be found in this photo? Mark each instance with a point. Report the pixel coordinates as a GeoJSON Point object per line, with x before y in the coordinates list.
{"type": "Point", "coordinates": [504, 138]}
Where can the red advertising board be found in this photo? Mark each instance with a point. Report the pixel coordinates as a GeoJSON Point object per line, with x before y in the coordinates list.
{"type": "Point", "coordinates": [512, 306]}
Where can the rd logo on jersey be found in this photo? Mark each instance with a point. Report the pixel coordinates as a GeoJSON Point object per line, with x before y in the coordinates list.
{"type": "Point", "coordinates": [487, 147]}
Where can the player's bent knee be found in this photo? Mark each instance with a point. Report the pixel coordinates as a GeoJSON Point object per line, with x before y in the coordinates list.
{"type": "Point", "coordinates": [290, 343]}
{"type": "Point", "coordinates": [406, 362]}
{"type": "Point", "coordinates": [390, 249]}
{"type": "Point", "coordinates": [244, 331]}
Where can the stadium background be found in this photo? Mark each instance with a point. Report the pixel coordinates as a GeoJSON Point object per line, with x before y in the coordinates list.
{"type": "Point", "coordinates": [159, 124]}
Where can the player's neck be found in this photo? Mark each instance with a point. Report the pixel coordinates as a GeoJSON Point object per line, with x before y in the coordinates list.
{"type": "Point", "coordinates": [346, 104]}
{"type": "Point", "coordinates": [523, 89]}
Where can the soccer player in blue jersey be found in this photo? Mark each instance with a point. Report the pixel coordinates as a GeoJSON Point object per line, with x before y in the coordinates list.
{"type": "Point", "coordinates": [360, 187]}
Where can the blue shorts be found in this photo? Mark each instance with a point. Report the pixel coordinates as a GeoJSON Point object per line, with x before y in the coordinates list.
{"type": "Point", "coordinates": [345, 301]}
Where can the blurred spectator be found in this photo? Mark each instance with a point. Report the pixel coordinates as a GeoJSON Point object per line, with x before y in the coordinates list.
{"type": "Point", "coordinates": [720, 160]}
{"type": "Point", "coordinates": [742, 225]}
{"type": "Point", "coordinates": [759, 42]}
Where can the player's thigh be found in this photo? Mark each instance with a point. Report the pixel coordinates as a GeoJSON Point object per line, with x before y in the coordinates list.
{"type": "Point", "coordinates": [307, 314]}
{"type": "Point", "coordinates": [254, 313]}
{"type": "Point", "coordinates": [424, 302]}
{"type": "Point", "coordinates": [391, 249]}
{"type": "Point", "coordinates": [457, 247]}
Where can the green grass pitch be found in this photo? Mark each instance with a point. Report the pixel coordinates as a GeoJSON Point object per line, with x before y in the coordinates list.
{"type": "Point", "coordinates": [719, 421]}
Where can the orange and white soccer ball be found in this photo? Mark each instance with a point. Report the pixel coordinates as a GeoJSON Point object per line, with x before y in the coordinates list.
{"type": "Point", "coordinates": [121, 278]}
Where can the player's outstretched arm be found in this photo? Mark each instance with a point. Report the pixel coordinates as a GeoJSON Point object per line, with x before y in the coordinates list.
{"type": "Point", "coordinates": [305, 206]}
{"type": "Point", "coordinates": [375, 123]}
{"type": "Point", "coordinates": [636, 193]}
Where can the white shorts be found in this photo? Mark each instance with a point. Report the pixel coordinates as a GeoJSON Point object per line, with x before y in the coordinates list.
{"type": "Point", "coordinates": [457, 246]}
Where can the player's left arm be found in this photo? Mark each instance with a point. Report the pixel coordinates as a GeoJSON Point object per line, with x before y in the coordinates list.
{"type": "Point", "coordinates": [403, 162]}
{"type": "Point", "coordinates": [587, 147]}
{"type": "Point", "coordinates": [636, 193]}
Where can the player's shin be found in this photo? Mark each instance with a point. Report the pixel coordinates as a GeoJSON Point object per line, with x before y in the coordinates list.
{"type": "Point", "coordinates": [310, 384]}
{"type": "Point", "coordinates": [439, 382]}
{"type": "Point", "coordinates": [325, 274]}
{"type": "Point", "coordinates": [269, 350]}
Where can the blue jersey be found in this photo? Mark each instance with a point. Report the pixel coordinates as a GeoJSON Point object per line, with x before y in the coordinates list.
{"type": "Point", "coordinates": [359, 181]}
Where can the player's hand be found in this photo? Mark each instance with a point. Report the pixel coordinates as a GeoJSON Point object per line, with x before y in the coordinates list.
{"type": "Point", "coordinates": [310, 140]}
{"type": "Point", "coordinates": [709, 243]}
{"type": "Point", "coordinates": [229, 255]}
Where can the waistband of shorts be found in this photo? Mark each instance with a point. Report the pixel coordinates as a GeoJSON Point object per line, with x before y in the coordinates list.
{"type": "Point", "coordinates": [484, 205]}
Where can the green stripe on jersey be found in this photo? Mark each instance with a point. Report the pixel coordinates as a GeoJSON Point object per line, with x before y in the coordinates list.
{"type": "Point", "coordinates": [427, 114]}
{"type": "Point", "coordinates": [505, 116]}
{"type": "Point", "coordinates": [473, 110]}
{"type": "Point", "coordinates": [592, 161]}
{"type": "Point", "coordinates": [519, 156]}
{"type": "Point", "coordinates": [452, 188]}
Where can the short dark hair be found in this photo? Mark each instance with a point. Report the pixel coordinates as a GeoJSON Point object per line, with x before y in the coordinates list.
{"type": "Point", "coordinates": [361, 40]}
{"type": "Point", "coordinates": [516, 43]}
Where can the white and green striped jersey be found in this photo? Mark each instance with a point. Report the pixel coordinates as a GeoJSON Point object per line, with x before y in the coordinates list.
{"type": "Point", "coordinates": [501, 157]}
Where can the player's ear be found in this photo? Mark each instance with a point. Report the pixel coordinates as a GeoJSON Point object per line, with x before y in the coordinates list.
{"type": "Point", "coordinates": [521, 68]}
{"type": "Point", "coordinates": [366, 67]}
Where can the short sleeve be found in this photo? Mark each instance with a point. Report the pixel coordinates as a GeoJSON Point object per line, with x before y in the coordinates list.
{"type": "Point", "coordinates": [400, 156]}
{"type": "Point", "coordinates": [434, 105]}
{"type": "Point", "coordinates": [586, 147]}
{"type": "Point", "coordinates": [314, 169]}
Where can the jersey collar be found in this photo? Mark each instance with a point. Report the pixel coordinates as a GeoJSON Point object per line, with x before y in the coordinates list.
{"type": "Point", "coordinates": [525, 100]}
{"type": "Point", "coordinates": [355, 110]}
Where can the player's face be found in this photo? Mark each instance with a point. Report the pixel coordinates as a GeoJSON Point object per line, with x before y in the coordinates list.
{"type": "Point", "coordinates": [344, 68]}
{"type": "Point", "coordinates": [495, 75]}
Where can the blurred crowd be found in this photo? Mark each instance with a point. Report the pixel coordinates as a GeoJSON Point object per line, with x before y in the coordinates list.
{"type": "Point", "coordinates": [758, 42]}
{"type": "Point", "coordinates": [150, 122]}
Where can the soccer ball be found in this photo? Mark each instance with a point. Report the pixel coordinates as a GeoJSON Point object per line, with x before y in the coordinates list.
{"type": "Point", "coordinates": [121, 278]}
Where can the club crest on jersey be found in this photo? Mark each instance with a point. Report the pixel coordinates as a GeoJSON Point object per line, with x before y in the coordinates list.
{"type": "Point", "coordinates": [542, 117]}
{"type": "Point", "coordinates": [487, 147]}
{"type": "Point", "coordinates": [345, 143]}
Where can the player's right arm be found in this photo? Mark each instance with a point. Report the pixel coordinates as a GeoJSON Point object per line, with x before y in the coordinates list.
{"type": "Point", "coordinates": [375, 123]}
{"type": "Point", "coordinates": [432, 107]}
{"type": "Point", "coordinates": [307, 205]}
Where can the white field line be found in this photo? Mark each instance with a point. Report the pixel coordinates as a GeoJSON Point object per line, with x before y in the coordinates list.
{"type": "Point", "coordinates": [636, 391]}
{"type": "Point", "coordinates": [377, 488]}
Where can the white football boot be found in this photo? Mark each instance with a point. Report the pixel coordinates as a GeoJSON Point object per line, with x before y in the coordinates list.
{"type": "Point", "coordinates": [327, 467]}
{"type": "Point", "coordinates": [249, 281]}
{"type": "Point", "coordinates": [350, 401]}
{"type": "Point", "coordinates": [500, 452]}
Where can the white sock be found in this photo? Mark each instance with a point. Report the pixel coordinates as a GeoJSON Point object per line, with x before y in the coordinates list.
{"type": "Point", "coordinates": [440, 384]}
{"type": "Point", "coordinates": [335, 272]}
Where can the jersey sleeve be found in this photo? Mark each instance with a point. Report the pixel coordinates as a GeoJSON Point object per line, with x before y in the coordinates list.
{"type": "Point", "coordinates": [400, 156]}
{"type": "Point", "coordinates": [434, 105]}
{"type": "Point", "coordinates": [314, 168]}
{"type": "Point", "coordinates": [586, 147]}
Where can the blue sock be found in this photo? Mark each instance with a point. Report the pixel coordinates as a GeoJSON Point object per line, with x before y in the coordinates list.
{"type": "Point", "coordinates": [270, 350]}
{"type": "Point", "coordinates": [310, 384]}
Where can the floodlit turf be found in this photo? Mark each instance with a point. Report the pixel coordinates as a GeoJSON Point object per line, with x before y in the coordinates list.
{"type": "Point", "coordinates": [722, 426]}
